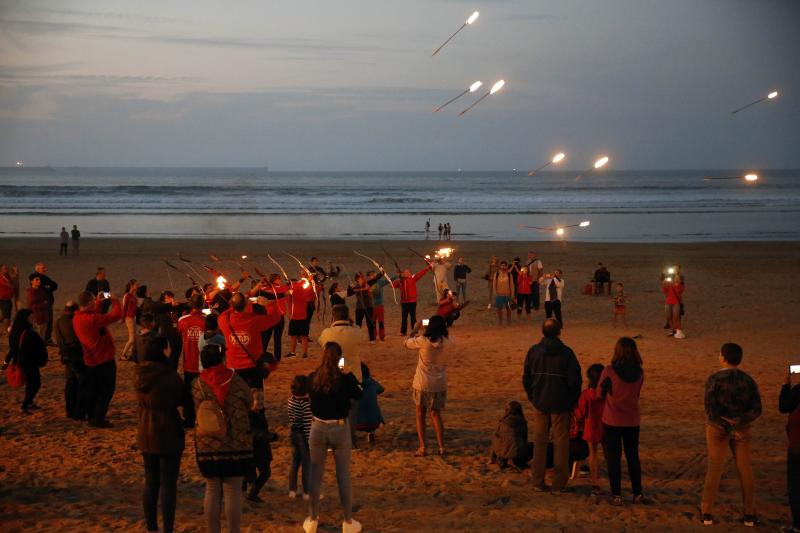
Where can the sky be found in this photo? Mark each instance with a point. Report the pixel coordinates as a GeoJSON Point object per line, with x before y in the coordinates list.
{"type": "Point", "coordinates": [351, 85]}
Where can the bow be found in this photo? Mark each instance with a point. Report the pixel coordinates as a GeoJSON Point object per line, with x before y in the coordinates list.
{"type": "Point", "coordinates": [306, 270]}
{"type": "Point", "coordinates": [387, 254]}
{"type": "Point", "coordinates": [380, 268]}
{"type": "Point", "coordinates": [288, 281]}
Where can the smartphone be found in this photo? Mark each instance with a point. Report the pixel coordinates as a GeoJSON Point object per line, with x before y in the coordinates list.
{"type": "Point", "coordinates": [794, 369]}
{"type": "Point", "coordinates": [425, 321]}
{"type": "Point", "coordinates": [106, 295]}
{"type": "Point", "coordinates": [206, 312]}
{"type": "Point", "coordinates": [341, 362]}
{"type": "Point", "coordinates": [253, 299]}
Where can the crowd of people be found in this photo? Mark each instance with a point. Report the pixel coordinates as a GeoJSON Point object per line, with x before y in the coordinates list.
{"type": "Point", "coordinates": [228, 337]}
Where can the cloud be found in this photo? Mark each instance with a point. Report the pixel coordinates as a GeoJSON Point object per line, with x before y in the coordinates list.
{"type": "Point", "coordinates": [109, 15]}
{"type": "Point", "coordinates": [43, 26]}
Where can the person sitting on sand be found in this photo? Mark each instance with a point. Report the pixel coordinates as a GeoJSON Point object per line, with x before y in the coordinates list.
{"type": "Point", "coordinates": [369, 417]}
{"type": "Point", "coordinates": [430, 378]}
{"type": "Point", "coordinates": [510, 439]}
{"type": "Point", "coordinates": [732, 404]}
{"type": "Point", "coordinates": [160, 439]}
{"type": "Point", "coordinates": [331, 393]}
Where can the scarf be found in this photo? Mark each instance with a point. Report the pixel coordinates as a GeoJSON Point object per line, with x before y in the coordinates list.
{"type": "Point", "coordinates": [219, 379]}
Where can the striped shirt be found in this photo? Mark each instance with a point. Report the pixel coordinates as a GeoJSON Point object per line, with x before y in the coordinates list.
{"type": "Point", "coordinates": [299, 415]}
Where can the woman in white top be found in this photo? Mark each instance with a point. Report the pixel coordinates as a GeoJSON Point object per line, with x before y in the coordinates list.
{"type": "Point", "coordinates": [430, 379]}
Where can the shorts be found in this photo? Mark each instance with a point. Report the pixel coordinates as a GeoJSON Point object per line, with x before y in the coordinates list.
{"type": "Point", "coordinates": [5, 309]}
{"type": "Point", "coordinates": [501, 302]}
{"type": "Point", "coordinates": [430, 400]}
{"type": "Point", "coordinates": [298, 328]}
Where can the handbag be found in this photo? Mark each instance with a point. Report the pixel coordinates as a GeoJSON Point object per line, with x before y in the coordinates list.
{"type": "Point", "coordinates": [211, 421]}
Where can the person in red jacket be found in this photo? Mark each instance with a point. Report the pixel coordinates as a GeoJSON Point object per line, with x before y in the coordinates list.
{"type": "Point", "coordinates": [91, 328]}
{"type": "Point", "coordinates": [524, 293]}
{"type": "Point", "coordinates": [36, 299]}
{"type": "Point", "coordinates": [191, 328]}
{"type": "Point", "coordinates": [408, 296]}
{"type": "Point", "coordinates": [672, 288]}
{"type": "Point", "coordinates": [300, 321]}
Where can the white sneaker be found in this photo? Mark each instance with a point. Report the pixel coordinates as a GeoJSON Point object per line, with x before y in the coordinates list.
{"type": "Point", "coordinates": [679, 334]}
{"type": "Point", "coordinates": [310, 526]}
{"type": "Point", "coordinates": [292, 494]}
{"type": "Point", "coordinates": [353, 527]}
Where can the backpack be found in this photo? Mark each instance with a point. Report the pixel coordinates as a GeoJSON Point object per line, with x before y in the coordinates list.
{"type": "Point", "coordinates": [211, 420]}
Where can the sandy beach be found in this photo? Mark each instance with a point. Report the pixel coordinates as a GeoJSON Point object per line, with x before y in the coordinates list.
{"type": "Point", "coordinates": [56, 475]}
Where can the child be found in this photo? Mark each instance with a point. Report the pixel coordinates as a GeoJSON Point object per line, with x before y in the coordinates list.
{"type": "Point", "coordinates": [619, 304]}
{"type": "Point", "coordinates": [369, 413]}
{"type": "Point", "coordinates": [589, 414]}
{"type": "Point", "coordinates": [300, 424]}
{"type": "Point", "coordinates": [510, 439]}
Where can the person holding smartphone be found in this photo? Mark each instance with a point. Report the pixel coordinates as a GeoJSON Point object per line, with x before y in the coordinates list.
{"type": "Point", "coordinates": [789, 403]}
{"type": "Point", "coordinates": [98, 284]}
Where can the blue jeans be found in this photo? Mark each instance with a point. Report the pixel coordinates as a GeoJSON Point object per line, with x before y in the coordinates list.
{"type": "Point", "coordinates": [301, 458]}
{"type": "Point", "coordinates": [461, 290]}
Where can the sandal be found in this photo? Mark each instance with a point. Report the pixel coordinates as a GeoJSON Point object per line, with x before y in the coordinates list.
{"type": "Point", "coordinates": [420, 452]}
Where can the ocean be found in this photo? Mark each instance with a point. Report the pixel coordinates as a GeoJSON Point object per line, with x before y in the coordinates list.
{"type": "Point", "coordinates": [622, 206]}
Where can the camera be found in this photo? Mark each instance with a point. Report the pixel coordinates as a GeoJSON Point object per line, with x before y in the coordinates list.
{"type": "Point", "coordinates": [106, 295]}
{"type": "Point", "coordinates": [341, 362]}
{"type": "Point", "coordinates": [425, 321]}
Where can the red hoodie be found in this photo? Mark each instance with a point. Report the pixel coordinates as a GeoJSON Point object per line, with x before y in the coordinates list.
{"type": "Point", "coordinates": [96, 341]}
{"type": "Point", "coordinates": [408, 286]}
{"type": "Point", "coordinates": [673, 292]}
{"type": "Point", "coordinates": [191, 327]}
{"type": "Point", "coordinates": [248, 327]}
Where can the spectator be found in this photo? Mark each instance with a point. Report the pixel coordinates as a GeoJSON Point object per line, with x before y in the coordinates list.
{"type": "Point", "coordinates": [503, 289]}
{"type": "Point", "coordinates": [369, 417]}
{"type": "Point", "coordinates": [159, 391]}
{"type": "Point", "coordinates": [552, 381]}
{"type": "Point", "coordinates": [63, 240]}
{"type": "Point", "coordinates": [98, 284]}
{"type": "Point", "coordinates": [510, 439]}
{"type": "Point", "coordinates": [36, 298]}
{"type": "Point", "coordinates": [74, 369]}
{"type": "Point", "coordinates": [331, 394]}
{"type": "Point", "coordinates": [620, 304]}
{"type": "Point", "coordinates": [98, 354]}
{"type": "Point", "coordinates": [7, 291]}
{"type": "Point", "coordinates": [553, 289]}
{"type": "Point", "coordinates": [300, 418]}
{"type": "Point", "coordinates": [602, 278]}
{"type": "Point", "coordinates": [494, 266]}
{"type": "Point", "coordinates": [732, 403]}
{"type": "Point", "coordinates": [789, 403]}
{"type": "Point", "coordinates": [430, 378]}
{"type": "Point", "coordinates": [673, 288]}
{"type": "Point", "coordinates": [589, 417]}
{"type": "Point", "coordinates": [223, 460]}
{"type": "Point", "coordinates": [535, 271]}
{"type": "Point", "coordinates": [28, 351]}
{"type": "Point", "coordinates": [130, 307]}
{"type": "Point", "coordinates": [50, 286]}
{"type": "Point", "coordinates": [460, 277]}
{"type": "Point", "coordinates": [524, 293]}
{"type": "Point", "coordinates": [191, 328]}
{"type": "Point", "coordinates": [620, 385]}
{"type": "Point", "coordinates": [76, 240]}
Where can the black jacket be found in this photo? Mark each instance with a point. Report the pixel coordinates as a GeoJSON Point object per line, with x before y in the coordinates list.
{"type": "Point", "coordinates": [552, 376]}
{"type": "Point", "coordinates": [96, 286]}
{"type": "Point", "coordinates": [27, 350]}
{"type": "Point", "coordinates": [69, 347]}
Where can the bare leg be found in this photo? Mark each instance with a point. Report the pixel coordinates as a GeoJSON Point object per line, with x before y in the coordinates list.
{"type": "Point", "coordinates": [421, 426]}
{"type": "Point", "coordinates": [438, 426]}
{"type": "Point", "coordinates": [304, 342]}
{"type": "Point", "coordinates": [594, 464]}
{"type": "Point", "coordinates": [292, 344]}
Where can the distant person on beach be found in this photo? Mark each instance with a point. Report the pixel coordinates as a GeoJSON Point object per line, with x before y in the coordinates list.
{"type": "Point", "coordinates": [673, 288]}
{"type": "Point", "coordinates": [619, 386]}
{"type": "Point", "coordinates": [63, 240]}
{"type": "Point", "coordinates": [441, 230]}
{"type": "Point", "coordinates": [223, 456]}
{"type": "Point", "coordinates": [430, 378]}
{"type": "Point", "coordinates": [36, 300]}
{"type": "Point", "coordinates": [427, 228]}
{"type": "Point", "coordinates": [460, 272]}
{"type": "Point", "coordinates": [589, 417]}
{"type": "Point", "coordinates": [300, 417]}
{"type": "Point", "coordinates": [7, 292]}
{"type": "Point", "coordinates": [159, 435]}
{"type": "Point", "coordinates": [69, 348]}
{"type": "Point", "coordinates": [407, 283]}
{"type": "Point", "coordinates": [130, 307]}
{"type": "Point", "coordinates": [349, 340]}
{"type": "Point", "coordinates": [552, 381]}
{"type": "Point", "coordinates": [503, 289]}
{"type": "Point", "coordinates": [98, 283]}
{"type": "Point", "coordinates": [602, 279]}
{"type": "Point", "coordinates": [789, 403]}
{"type": "Point", "coordinates": [494, 266]}
{"type": "Point", "coordinates": [27, 350]}
{"type": "Point", "coordinates": [91, 328]}
{"type": "Point", "coordinates": [50, 286]}
{"type": "Point", "coordinates": [553, 290]}
{"type": "Point", "coordinates": [332, 392]}
{"type": "Point", "coordinates": [732, 403]}
{"type": "Point", "coordinates": [76, 240]}
{"type": "Point", "coordinates": [447, 230]}
{"type": "Point", "coordinates": [620, 304]}
{"type": "Point", "coordinates": [535, 271]}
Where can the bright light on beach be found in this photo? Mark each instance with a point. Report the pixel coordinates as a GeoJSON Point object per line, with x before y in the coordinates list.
{"type": "Point", "coordinates": [772, 95]}
{"type": "Point", "coordinates": [444, 253]}
{"type": "Point", "coordinates": [751, 177]}
{"type": "Point", "coordinates": [560, 231]}
{"type": "Point", "coordinates": [601, 162]}
{"type": "Point", "coordinates": [584, 223]}
{"type": "Point", "coordinates": [472, 18]}
{"type": "Point", "coordinates": [221, 282]}
{"type": "Point", "coordinates": [244, 257]}
{"type": "Point", "coordinates": [559, 157]}
{"type": "Point", "coordinates": [497, 86]}
{"type": "Point", "coordinates": [475, 86]}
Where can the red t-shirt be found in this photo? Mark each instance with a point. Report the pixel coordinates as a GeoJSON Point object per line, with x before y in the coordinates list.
{"type": "Point", "coordinates": [191, 327]}
{"type": "Point", "coordinates": [96, 341]}
{"type": "Point", "coordinates": [301, 296]}
{"type": "Point", "coordinates": [129, 305]}
{"type": "Point", "coordinates": [248, 327]}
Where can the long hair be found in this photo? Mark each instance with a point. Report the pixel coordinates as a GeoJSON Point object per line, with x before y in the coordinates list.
{"type": "Point", "coordinates": [130, 285]}
{"type": "Point", "coordinates": [436, 330]}
{"type": "Point", "coordinates": [626, 353]}
{"type": "Point", "coordinates": [21, 324]}
{"type": "Point", "coordinates": [328, 376]}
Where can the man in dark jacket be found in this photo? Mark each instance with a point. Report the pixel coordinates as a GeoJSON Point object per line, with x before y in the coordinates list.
{"type": "Point", "coordinates": [98, 283]}
{"type": "Point", "coordinates": [69, 347]}
{"type": "Point", "coordinates": [50, 286]}
{"type": "Point", "coordinates": [552, 380]}
{"type": "Point", "coordinates": [789, 403]}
